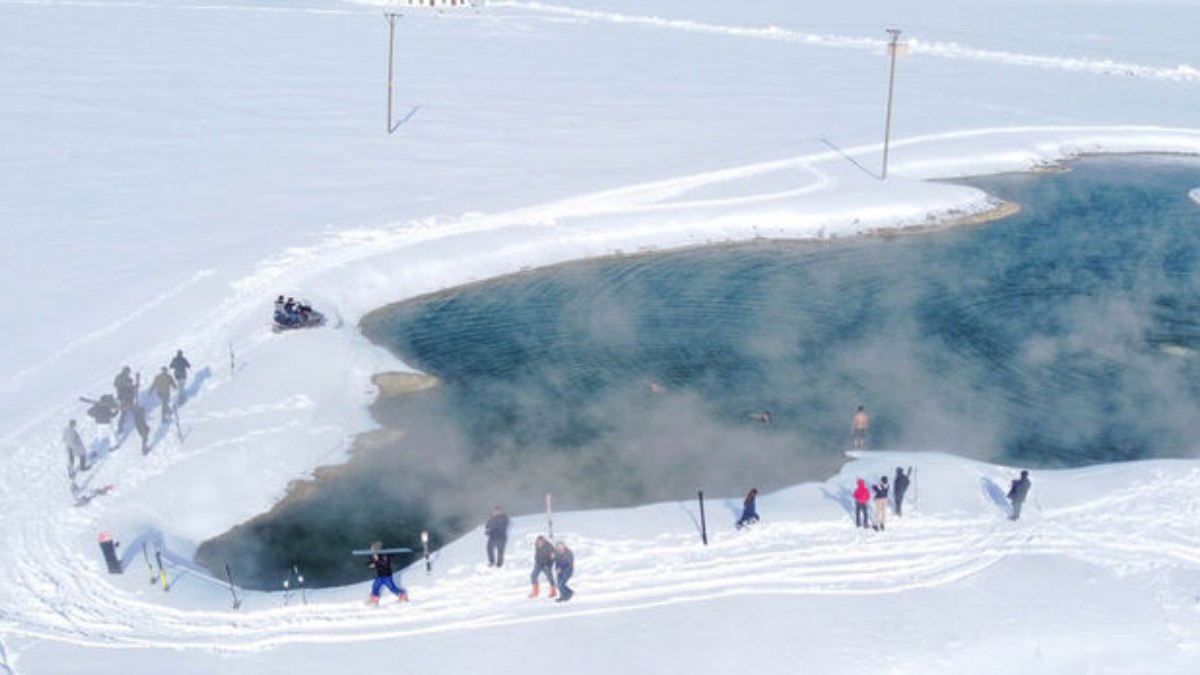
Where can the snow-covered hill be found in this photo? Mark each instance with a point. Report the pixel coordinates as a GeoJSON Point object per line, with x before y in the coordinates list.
{"type": "Point", "coordinates": [171, 166]}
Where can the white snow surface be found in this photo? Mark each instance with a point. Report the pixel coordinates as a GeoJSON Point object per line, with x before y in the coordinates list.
{"type": "Point", "coordinates": [170, 166]}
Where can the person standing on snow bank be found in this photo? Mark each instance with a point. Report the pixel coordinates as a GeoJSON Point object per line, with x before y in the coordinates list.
{"type": "Point", "coordinates": [543, 563]}
{"type": "Point", "coordinates": [179, 367]}
{"type": "Point", "coordinates": [900, 483]}
{"type": "Point", "coordinates": [75, 449]}
{"type": "Point", "coordinates": [749, 510]}
{"type": "Point", "coordinates": [881, 501]}
{"type": "Point", "coordinates": [564, 567]}
{"type": "Point", "coordinates": [858, 428]}
{"type": "Point", "coordinates": [496, 530]}
{"type": "Point", "coordinates": [142, 426]}
{"type": "Point", "coordinates": [162, 386]}
{"type": "Point", "coordinates": [1017, 493]}
{"type": "Point", "coordinates": [382, 562]}
{"type": "Point", "coordinates": [861, 496]}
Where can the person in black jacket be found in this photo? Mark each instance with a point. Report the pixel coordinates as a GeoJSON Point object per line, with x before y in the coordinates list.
{"type": "Point", "coordinates": [881, 501]}
{"type": "Point", "coordinates": [543, 563]}
{"type": "Point", "coordinates": [382, 562]}
{"type": "Point", "coordinates": [900, 483]}
{"type": "Point", "coordinates": [179, 368]}
{"type": "Point", "coordinates": [1017, 493]}
{"type": "Point", "coordinates": [564, 567]}
{"type": "Point", "coordinates": [496, 530]}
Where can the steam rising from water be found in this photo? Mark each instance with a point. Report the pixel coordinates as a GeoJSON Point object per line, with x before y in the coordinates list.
{"type": "Point", "coordinates": [1066, 335]}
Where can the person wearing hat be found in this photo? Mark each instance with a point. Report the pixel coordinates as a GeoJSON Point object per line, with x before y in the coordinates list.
{"type": "Point", "coordinates": [1017, 493]}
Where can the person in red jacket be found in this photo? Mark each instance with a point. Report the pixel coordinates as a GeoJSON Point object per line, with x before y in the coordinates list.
{"type": "Point", "coordinates": [861, 497]}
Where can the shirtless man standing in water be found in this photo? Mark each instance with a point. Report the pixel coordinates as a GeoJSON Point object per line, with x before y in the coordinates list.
{"type": "Point", "coordinates": [858, 430]}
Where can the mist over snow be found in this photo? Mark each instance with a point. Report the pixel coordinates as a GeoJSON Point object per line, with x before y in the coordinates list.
{"type": "Point", "coordinates": [171, 166]}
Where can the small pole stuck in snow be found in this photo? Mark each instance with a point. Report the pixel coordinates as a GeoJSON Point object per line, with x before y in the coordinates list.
{"type": "Point", "coordinates": [425, 546]}
{"type": "Point", "coordinates": [232, 362]}
{"type": "Point", "coordinates": [893, 47]}
{"type": "Point", "coordinates": [703, 524]}
{"type": "Point", "coordinates": [549, 516]}
{"type": "Point", "coordinates": [391, 19]}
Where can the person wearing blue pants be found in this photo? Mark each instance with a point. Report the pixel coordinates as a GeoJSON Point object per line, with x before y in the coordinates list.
{"type": "Point", "coordinates": [564, 567]}
{"type": "Point", "coordinates": [749, 509]}
{"type": "Point", "coordinates": [382, 562]}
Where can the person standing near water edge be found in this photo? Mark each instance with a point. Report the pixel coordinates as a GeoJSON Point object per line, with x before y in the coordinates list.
{"type": "Point", "coordinates": [858, 428]}
{"type": "Point", "coordinates": [861, 496]}
{"type": "Point", "coordinates": [1017, 493]}
{"type": "Point", "coordinates": [881, 501]}
{"type": "Point", "coordinates": [564, 567]}
{"type": "Point", "coordinates": [900, 485]}
{"type": "Point", "coordinates": [496, 530]}
{"type": "Point", "coordinates": [543, 563]}
{"type": "Point", "coordinates": [382, 562]}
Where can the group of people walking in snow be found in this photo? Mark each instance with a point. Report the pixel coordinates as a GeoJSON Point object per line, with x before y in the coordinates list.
{"type": "Point", "coordinates": [114, 413]}
{"type": "Point", "coordinates": [555, 562]}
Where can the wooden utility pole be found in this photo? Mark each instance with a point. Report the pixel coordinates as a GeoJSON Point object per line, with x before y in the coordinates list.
{"type": "Point", "coordinates": [391, 19]}
{"type": "Point", "coordinates": [893, 47]}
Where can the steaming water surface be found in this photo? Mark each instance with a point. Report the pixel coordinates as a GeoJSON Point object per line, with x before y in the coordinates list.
{"type": "Point", "coordinates": [1063, 336]}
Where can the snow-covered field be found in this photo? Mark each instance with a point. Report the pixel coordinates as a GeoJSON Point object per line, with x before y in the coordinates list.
{"type": "Point", "coordinates": [169, 167]}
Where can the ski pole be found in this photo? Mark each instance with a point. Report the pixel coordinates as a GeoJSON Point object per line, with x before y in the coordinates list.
{"type": "Point", "coordinates": [300, 583]}
{"type": "Point", "coordinates": [549, 516]}
{"type": "Point", "coordinates": [703, 523]}
{"type": "Point", "coordinates": [237, 602]}
{"type": "Point", "coordinates": [162, 573]}
{"type": "Point", "coordinates": [149, 567]}
{"type": "Point", "coordinates": [425, 545]}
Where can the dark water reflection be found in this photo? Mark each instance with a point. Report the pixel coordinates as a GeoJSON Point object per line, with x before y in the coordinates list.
{"type": "Point", "coordinates": [1066, 335]}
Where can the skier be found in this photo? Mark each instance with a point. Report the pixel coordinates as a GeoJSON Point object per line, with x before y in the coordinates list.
{"type": "Point", "coordinates": [858, 428]}
{"type": "Point", "coordinates": [143, 428]}
{"type": "Point", "coordinates": [543, 563]}
{"type": "Point", "coordinates": [162, 386]}
{"type": "Point", "coordinates": [1017, 493]}
{"type": "Point", "coordinates": [901, 486]}
{"type": "Point", "coordinates": [382, 562]}
{"type": "Point", "coordinates": [496, 530]}
{"type": "Point", "coordinates": [861, 496]}
{"type": "Point", "coordinates": [749, 513]}
{"type": "Point", "coordinates": [75, 449]}
{"type": "Point", "coordinates": [104, 412]}
{"type": "Point", "coordinates": [126, 394]}
{"type": "Point", "coordinates": [179, 367]}
{"type": "Point", "coordinates": [564, 567]}
{"type": "Point", "coordinates": [881, 501]}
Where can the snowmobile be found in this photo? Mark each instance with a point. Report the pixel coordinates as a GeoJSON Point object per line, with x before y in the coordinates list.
{"type": "Point", "coordinates": [305, 318]}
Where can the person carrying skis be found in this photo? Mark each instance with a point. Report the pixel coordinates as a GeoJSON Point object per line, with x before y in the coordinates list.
{"type": "Point", "coordinates": [564, 567]}
{"type": "Point", "coordinates": [900, 485]}
{"type": "Point", "coordinates": [162, 386]}
{"type": "Point", "coordinates": [75, 449]}
{"type": "Point", "coordinates": [881, 502]}
{"type": "Point", "coordinates": [1017, 493]}
{"type": "Point", "coordinates": [543, 563]}
{"type": "Point", "coordinates": [382, 562]}
{"type": "Point", "coordinates": [861, 496]}
{"type": "Point", "coordinates": [179, 367]}
{"type": "Point", "coordinates": [103, 412]}
{"type": "Point", "coordinates": [749, 512]}
{"type": "Point", "coordinates": [858, 428]}
{"type": "Point", "coordinates": [496, 530]}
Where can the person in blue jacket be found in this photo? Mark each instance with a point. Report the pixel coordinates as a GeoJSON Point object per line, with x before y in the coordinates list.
{"type": "Point", "coordinates": [382, 562]}
{"type": "Point", "coordinates": [749, 509]}
{"type": "Point", "coordinates": [564, 567]}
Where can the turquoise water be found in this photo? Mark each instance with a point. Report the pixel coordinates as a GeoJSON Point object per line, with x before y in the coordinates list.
{"type": "Point", "coordinates": [1063, 336]}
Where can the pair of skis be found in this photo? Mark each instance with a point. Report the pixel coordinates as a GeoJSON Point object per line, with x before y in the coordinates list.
{"type": "Point", "coordinates": [161, 575]}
